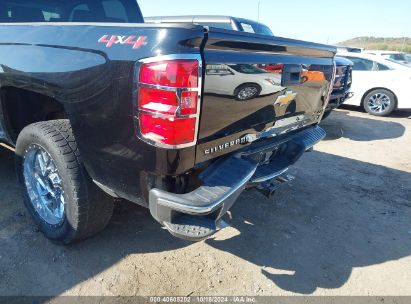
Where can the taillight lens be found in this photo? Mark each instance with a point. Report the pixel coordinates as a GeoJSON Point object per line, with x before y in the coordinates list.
{"type": "Point", "coordinates": [167, 101]}
{"type": "Point", "coordinates": [158, 101]}
{"type": "Point", "coordinates": [176, 73]}
{"type": "Point", "coordinates": [167, 130]}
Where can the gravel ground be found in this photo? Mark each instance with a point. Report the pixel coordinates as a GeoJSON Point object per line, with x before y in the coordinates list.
{"type": "Point", "coordinates": [342, 227]}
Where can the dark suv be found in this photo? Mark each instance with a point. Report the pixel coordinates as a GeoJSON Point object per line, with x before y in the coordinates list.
{"type": "Point", "coordinates": [343, 78]}
{"type": "Point", "coordinates": [223, 22]}
{"type": "Point", "coordinates": [342, 84]}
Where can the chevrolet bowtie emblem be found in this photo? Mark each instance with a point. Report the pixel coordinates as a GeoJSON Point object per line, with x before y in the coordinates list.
{"type": "Point", "coordinates": [284, 100]}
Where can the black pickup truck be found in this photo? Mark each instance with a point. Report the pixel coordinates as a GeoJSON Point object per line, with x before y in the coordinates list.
{"type": "Point", "coordinates": [97, 104]}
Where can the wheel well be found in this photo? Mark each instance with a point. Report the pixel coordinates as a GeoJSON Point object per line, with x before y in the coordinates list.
{"type": "Point", "coordinates": [373, 89]}
{"type": "Point", "coordinates": [22, 107]}
{"type": "Point", "coordinates": [244, 84]}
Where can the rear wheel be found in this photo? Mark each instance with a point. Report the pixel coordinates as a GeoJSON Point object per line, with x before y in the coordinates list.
{"type": "Point", "coordinates": [58, 192]}
{"type": "Point", "coordinates": [379, 102]}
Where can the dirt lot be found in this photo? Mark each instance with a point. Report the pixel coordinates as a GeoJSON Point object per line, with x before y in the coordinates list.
{"type": "Point", "coordinates": [343, 227]}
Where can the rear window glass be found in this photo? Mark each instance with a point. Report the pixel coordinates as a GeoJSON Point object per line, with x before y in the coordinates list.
{"type": "Point", "coordinates": [257, 28]}
{"type": "Point", "coordinates": [114, 9]}
{"type": "Point", "coordinates": [382, 67]}
{"type": "Point", "coordinates": [70, 11]}
{"type": "Point", "coordinates": [399, 57]}
{"type": "Point", "coordinates": [217, 69]}
{"type": "Point", "coordinates": [250, 27]}
{"type": "Point", "coordinates": [221, 25]}
{"type": "Point", "coordinates": [361, 64]}
{"type": "Point", "coordinates": [247, 28]}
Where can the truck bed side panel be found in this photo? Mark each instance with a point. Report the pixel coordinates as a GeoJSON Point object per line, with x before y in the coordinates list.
{"type": "Point", "coordinates": [94, 82]}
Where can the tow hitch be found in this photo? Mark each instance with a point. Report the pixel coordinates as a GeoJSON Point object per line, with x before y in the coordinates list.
{"type": "Point", "coordinates": [198, 215]}
{"type": "Point", "coordinates": [268, 188]}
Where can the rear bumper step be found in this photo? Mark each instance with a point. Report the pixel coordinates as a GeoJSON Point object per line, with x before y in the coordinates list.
{"type": "Point", "coordinates": [196, 215]}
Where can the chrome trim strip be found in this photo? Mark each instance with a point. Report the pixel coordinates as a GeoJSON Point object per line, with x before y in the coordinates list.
{"type": "Point", "coordinates": [4, 145]}
{"type": "Point", "coordinates": [170, 57]}
{"type": "Point", "coordinates": [178, 92]}
{"type": "Point", "coordinates": [154, 114]}
{"type": "Point", "coordinates": [280, 127]}
{"type": "Point", "coordinates": [164, 88]}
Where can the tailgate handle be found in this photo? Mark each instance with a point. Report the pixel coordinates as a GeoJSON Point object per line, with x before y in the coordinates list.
{"type": "Point", "coordinates": [291, 75]}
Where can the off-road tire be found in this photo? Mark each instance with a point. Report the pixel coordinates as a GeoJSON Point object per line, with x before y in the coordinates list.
{"type": "Point", "coordinates": [87, 209]}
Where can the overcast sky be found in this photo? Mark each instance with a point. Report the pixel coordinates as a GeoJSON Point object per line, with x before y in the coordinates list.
{"type": "Point", "coordinates": [316, 20]}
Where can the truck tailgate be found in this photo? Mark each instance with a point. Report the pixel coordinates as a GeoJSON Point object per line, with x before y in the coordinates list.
{"type": "Point", "coordinates": [258, 86]}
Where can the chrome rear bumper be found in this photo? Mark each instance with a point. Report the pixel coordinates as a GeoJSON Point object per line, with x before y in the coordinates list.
{"type": "Point", "coordinates": [196, 215]}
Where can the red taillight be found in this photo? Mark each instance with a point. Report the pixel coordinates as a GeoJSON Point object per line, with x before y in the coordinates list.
{"type": "Point", "coordinates": [167, 130]}
{"type": "Point", "coordinates": [158, 101]}
{"type": "Point", "coordinates": [167, 101]}
{"type": "Point", "coordinates": [176, 73]}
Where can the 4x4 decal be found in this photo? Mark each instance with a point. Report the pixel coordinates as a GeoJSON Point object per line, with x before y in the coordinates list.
{"type": "Point", "coordinates": [136, 42]}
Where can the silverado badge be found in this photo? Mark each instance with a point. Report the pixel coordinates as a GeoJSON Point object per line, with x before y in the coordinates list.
{"type": "Point", "coordinates": [227, 145]}
{"type": "Point", "coordinates": [284, 100]}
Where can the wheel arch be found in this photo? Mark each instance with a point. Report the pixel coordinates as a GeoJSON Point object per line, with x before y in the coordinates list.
{"type": "Point", "coordinates": [21, 107]}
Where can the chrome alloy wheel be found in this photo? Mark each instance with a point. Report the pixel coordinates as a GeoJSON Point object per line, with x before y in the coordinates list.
{"type": "Point", "coordinates": [379, 102]}
{"type": "Point", "coordinates": [247, 93]}
{"type": "Point", "coordinates": [44, 185]}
